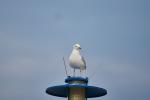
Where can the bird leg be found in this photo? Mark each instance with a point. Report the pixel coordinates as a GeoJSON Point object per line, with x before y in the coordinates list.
{"type": "Point", "coordinates": [74, 72]}
{"type": "Point", "coordinates": [80, 72]}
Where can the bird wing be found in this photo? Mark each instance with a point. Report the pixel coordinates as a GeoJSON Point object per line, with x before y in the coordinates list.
{"type": "Point", "coordinates": [82, 58]}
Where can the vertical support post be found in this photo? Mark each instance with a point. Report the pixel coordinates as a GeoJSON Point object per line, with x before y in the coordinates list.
{"type": "Point", "coordinates": [76, 93]}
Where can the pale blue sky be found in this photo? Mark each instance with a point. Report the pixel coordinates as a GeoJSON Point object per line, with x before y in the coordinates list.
{"type": "Point", "coordinates": [36, 34]}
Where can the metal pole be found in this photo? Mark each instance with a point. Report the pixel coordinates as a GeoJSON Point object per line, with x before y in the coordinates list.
{"type": "Point", "coordinates": [76, 93]}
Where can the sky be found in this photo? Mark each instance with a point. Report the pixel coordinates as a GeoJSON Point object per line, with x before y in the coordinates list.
{"type": "Point", "coordinates": [36, 34]}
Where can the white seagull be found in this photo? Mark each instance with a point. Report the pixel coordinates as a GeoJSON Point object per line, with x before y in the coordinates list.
{"type": "Point", "coordinates": [76, 61]}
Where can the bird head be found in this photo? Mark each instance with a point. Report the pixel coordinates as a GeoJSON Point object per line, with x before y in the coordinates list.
{"type": "Point", "coordinates": [77, 46]}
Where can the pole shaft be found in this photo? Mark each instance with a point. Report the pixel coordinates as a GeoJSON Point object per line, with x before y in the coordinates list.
{"type": "Point", "coordinates": [76, 94]}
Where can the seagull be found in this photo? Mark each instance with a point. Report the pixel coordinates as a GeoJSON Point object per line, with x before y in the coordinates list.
{"type": "Point", "coordinates": [76, 61]}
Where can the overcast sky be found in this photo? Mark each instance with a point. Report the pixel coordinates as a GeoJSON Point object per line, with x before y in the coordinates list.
{"type": "Point", "coordinates": [36, 34]}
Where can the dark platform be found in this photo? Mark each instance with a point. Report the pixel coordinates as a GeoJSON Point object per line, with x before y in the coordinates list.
{"type": "Point", "coordinates": [63, 90]}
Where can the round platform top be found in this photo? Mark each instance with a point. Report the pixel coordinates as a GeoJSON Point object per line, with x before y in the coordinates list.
{"type": "Point", "coordinates": [63, 90]}
{"type": "Point", "coordinates": [70, 79]}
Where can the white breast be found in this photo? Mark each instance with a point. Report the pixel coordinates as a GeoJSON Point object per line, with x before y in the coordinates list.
{"type": "Point", "coordinates": [75, 60]}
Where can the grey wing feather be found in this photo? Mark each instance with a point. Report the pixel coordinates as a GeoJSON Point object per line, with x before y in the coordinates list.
{"type": "Point", "coordinates": [83, 61]}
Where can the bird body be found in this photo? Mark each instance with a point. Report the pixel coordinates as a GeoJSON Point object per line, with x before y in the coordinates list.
{"type": "Point", "coordinates": [76, 61]}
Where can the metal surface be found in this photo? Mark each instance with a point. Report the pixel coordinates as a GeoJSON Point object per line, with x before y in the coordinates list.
{"type": "Point", "coordinates": [73, 80]}
{"type": "Point", "coordinates": [76, 84]}
{"type": "Point", "coordinates": [76, 94]}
